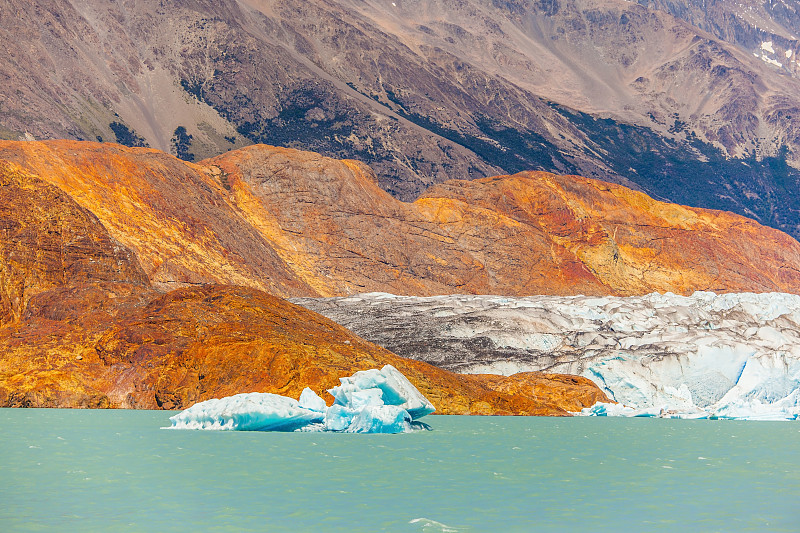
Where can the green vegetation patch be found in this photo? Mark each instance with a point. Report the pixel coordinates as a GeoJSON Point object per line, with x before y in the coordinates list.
{"type": "Point", "coordinates": [126, 136]}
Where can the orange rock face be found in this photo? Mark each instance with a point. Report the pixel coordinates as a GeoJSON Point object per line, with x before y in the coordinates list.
{"type": "Point", "coordinates": [531, 233]}
{"type": "Point", "coordinates": [296, 223]}
{"type": "Point", "coordinates": [634, 244]}
{"type": "Point", "coordinates": [174, 217]}
{"type": "Point", "coordinates": [116, 345]}
{"type": "Point", "coordinates": [572, 393]}
{"type": "Point", "coordinates": [48, 240]}
{"type": "Point", "coordinates": [346, 235]}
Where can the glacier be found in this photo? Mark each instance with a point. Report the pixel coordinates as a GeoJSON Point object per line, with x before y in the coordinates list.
{"type": "Point", "coordinates": [369, 401]}
{"type": "Point", "coordinates": [707, 355]}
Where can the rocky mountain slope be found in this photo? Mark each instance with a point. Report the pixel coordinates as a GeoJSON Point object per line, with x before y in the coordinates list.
{"type": "Point", "coordinates": [49, 240]}
{"type": "Point", "coordinates": [298, 224]}
{"type": "Point", "coordinates": [130, 278]}
{"type": "Point", "coordinates": [608, 89]}
{"type": "Point", "coordinates": [82, 327]}
{"type": "Point", "coordinates": [172, 214]}
{"type": "Point", "coordinates": [768, 28]}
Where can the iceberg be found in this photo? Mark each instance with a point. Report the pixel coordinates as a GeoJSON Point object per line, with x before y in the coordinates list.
{"type": "Point", "coordinates": [392, 386]}
{"type": "Point", "coordinates": [617, 409]}
{"type": "Point", "coordinates": [380, 419]}
{"type": "Point", "coordinates": [369, 401]}
{"type": "Point", "coordinates": [311, 400]}
{"type": "Point", "coordinates": [254, 411]}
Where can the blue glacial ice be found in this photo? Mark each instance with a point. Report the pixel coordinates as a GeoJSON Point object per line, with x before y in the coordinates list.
{"type": "Point", "coordinates": [706, 355]}
{"type": "Point", "coordinates": [394, 388]}
{"type": "Point", "coordinates": [369, 401]}
{"type": "Point", "coordinates": [718, 380]}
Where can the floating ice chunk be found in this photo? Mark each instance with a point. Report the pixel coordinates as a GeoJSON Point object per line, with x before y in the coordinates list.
{"type": "Point", "coordinates": [395, 390]}
{"type": "Point", "coordinates": [370, 401]}
{"type": "Point", "coordinates": [311, 400]}
{"type": "Point", "coordinates": [255, 411]}
{"type": "Point", "coordinates": [338, 417]}
{"type": "Point", "coordinates": [381, 419]}
{"type": "Point", "coordinates": [370, 418]}
{"type": "Point", "coordinates": [426, 524]}
{"type": "Point", "coordinates": [608, 409]}
{"type": "Point", "coordinates": [366, 398]}
{"type": "Point", "coordinates": [355, 397]}
{"type": "Point", "coordinates": [398, 389]}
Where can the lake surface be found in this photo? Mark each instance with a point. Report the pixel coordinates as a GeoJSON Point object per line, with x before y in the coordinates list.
{"type": "Point", "coordinates": [78, 470]}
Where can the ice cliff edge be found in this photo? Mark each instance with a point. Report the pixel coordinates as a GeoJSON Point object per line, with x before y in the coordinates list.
{"type": "Point", "coordinates": [369, 401]}
{"type": "Point", "coordinates": [733, 355]}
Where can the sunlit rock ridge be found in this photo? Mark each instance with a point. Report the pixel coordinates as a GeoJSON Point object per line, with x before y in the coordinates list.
{"type": "Point", "coordinates": [727, 356]}
{"type": "Point", "coordinates": [295, 223]}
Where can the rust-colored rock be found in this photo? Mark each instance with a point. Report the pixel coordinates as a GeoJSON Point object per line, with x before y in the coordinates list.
{"type": "Point", "coordinates": [173, 216]}
{"type": "Point", "coordinates": [634, 244]}
{"type": "Point", "coordinates": [572, 393]}
{"type": "Point", "coordinates": [345, 235]}
{"type": "Point", "coordinates": [82, 326]}
{"type": "Point", "coordinates": [531, 233]}
{"type": "Point", "coordinates": [295, 223]}
{"type": "Point", "coordinates": [117, 345]}
{"type": "Point", "coordinates": [48, 240]}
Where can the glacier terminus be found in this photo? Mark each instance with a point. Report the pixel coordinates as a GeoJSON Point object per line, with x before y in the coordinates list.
{"type": "Point", "coordinates": [707, 355]}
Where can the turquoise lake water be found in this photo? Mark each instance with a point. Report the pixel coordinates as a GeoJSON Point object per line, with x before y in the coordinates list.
{"type": "Point", "coordinates": [75, 470]}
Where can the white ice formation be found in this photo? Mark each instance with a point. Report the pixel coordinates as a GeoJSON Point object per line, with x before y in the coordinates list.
{"type": "Point", "coordinates": [705, 355]}
{"type": "Point", "coordinates": [369, 401]}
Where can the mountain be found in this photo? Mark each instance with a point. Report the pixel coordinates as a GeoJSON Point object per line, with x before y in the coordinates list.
{"type": "Point", "coordinates": [81, 326]}
{"type": "Point", "coordinates": [692, 102]}
{"type": "Point", "coordinates": [130, 278]}
{"type": "Point", "coordinates": [172, 214]}
{"type": "Point", "coordinates": [296, 223]}
{"type": "Point", "coordinates": [768, 28]}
